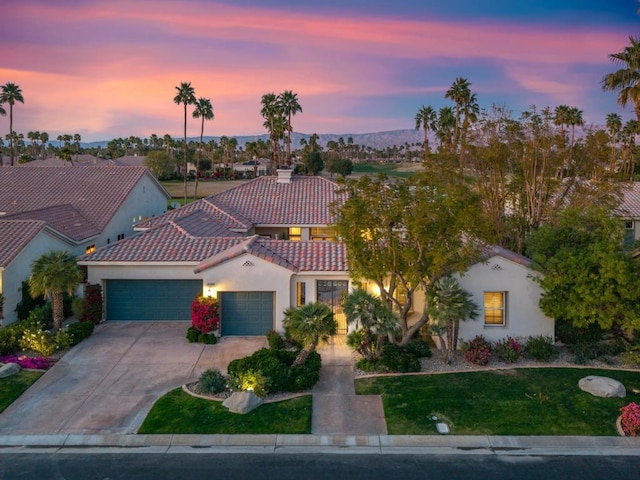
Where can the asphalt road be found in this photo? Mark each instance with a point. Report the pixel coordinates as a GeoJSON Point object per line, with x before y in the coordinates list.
{"type": "Point", "coordinates": [192, 466]}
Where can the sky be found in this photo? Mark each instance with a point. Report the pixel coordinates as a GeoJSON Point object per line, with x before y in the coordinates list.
{"type": "Point", "coordinates": [109, 68]}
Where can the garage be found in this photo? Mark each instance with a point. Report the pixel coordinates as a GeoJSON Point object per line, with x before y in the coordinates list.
{"type": "Point", "coordinates": [150, 299]}
{"type": "Point", "coordinates": [246, 313]}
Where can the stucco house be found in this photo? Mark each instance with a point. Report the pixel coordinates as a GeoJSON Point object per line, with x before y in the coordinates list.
{"type": "Point", "coordinates": [66, 208]}
{"type": "Point", "coordinates": [629, 210]}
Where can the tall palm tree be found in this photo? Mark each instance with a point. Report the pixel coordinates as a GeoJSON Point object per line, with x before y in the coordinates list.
{"type": "Point", "coordinates": [561, 117]}
{"type": "Point", "coordinates": [185, 95]}
{"type": "Point", "coordinates": [614, 126]}
{"type": "Point", "coordinates": [574, 118]}
{"type": "Point", "coordinates": [76, 140]}
{"type": "Point", "coordinates": [308, 325]}
{"type": "Point", "coordinates": [448, 304]}
{"type": "Point", "coordinates": [289, 104]}
{"type": "Point", "coordinates": [52, 274]}
{"type": "Point", "coordinates": [270, 112]}
{"type": "Point", "coordinates": [445, 126]}
{"type": "Point", "coordinates": [626, 80]}
{"type": "Point", "coordinates": [44, 138]}
{"type": "Point", "coordinates": [469, 111]}
{"type": "Point", "coordinates": [11, 93]}
{"type": "Point", "coordinates": [203, 110]}
{"type": "Point", "coordinates": [426, 119]}
{"type": "Point", "coordinates": [459, 93]}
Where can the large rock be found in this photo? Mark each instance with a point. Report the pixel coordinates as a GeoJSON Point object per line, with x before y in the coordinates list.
{"type": "Point", "coordinates": [242, 402]}
{"type": "Point", "coordinates": [602, 386]}
{"type": "Point", "coordinates": [8, 369]}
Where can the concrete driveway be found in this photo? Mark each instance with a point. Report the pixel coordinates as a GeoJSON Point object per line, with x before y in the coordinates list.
{"type": "Point", "coordinates": [109, 382]}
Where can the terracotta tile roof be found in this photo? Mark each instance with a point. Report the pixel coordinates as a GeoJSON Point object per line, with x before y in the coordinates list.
{"type": "Point", "coordinates": [630, 206]}
{"type": "Point", "coordinates": [15, 235]}
{"type": "Point", "coordinates": [493, 251]}
{"type": "Point", "coordinates": [95, 193]}
{"type": "Point", "coordinates": [65, 218]}
{"type": "Point", "coordinates": [231, 221]}
{"type": "Point", "coordinates": [200, 224]}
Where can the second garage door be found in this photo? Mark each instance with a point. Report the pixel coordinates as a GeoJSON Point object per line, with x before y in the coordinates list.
{"type": "Point", "coordinates": [246, 313]}
{"type": "Point", "coordinates": [151, 299]}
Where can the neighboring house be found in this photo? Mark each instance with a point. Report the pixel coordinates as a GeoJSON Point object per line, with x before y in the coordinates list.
{"type": "Point", "coordinates": [258, 166]}
{"type": "Point", "coordinates": [629, 211]}
{"type": "Point", "coordinates": [260, 248]}
{"type": "Point", "coordinates": [82, 208]}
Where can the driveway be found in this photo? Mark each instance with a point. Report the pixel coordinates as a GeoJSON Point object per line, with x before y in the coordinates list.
{"type": "Point", "coordinates": [109, 382]}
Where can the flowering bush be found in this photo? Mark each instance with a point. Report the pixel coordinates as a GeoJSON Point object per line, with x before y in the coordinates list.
{"type": "Point", "coordinates": [38, 363]}
{"type": "Point", "coordinates": [630, 419]}
{"type": "Point", "coordinates": [92, 304]}
{"type": "Point", "coordinates": [204, 314]}
{"type": "Point", "coordinates": [509, 350]}
{"type": "Point", "coordinates": [39, 341]}
{"type": "Point", "coordinates": [477, 351]}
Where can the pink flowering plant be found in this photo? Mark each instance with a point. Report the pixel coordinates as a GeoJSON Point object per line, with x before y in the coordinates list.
{"type": "Point", "coordinates": [630, 419]}
{"type": "Point", "coordinates": [509, 350]}
{"type": "Point", "coordinates": [36, 363]}
{"type": "Point", "coordinates": [205, 315]}
{"type": "Point", "coordinates": [477, 351]}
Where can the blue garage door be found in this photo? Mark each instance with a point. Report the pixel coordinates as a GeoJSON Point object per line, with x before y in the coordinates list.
{"type": "Point", "coordinates": [151, 299]}
{"type": "Point", "coordinates": [246, 313]}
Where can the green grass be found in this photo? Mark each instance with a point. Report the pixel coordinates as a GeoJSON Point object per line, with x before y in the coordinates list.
{"type": "Point", "coordinates": [389, 169]}
{"type": "Point", "coordinates": [178, 412]}
{"type": "Point", "coordinates": [543, 401]}
{"type": "Point", "coordinates": [12, 387]}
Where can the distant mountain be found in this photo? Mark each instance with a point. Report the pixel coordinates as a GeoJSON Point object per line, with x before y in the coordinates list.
{"type": "Point", "coordinates": [377, 140]}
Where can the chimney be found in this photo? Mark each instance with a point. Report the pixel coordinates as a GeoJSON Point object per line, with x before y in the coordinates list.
{"type": "Point", "coordinates": [284, 175]}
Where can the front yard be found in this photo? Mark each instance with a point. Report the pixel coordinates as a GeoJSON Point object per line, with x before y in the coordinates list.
{"type": "Point", "coordinates": [12, 387]}
{"type": "Point", "coordinates": [524, 401]}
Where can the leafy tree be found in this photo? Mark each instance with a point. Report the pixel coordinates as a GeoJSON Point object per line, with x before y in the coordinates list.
{"type": "Point", "coordinates": [11, 93]}
{"type": "Point", "coordinates": [448, 304]}
{"type": "Point", "coordinates": [588, 276]}
{"type": "Point", "coordinates": [626, 80]}
{"type": "Point", "coordinates": [52, 274]}
{"type": "Point", "coordinates": [203, 110]}
{"type": "Point", "coordinates": [313, 163]}
{"type": "Point", "coordinates": [339, 165]}
{"type": "Point", "coordinates": [159, 163]}
{"type": "Point", "coordinates": [309, 324]}
{"type": "Point", "coordinates": [185, 96]}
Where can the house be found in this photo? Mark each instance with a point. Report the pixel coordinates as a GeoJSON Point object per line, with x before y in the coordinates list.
{"type": "Point", "coordinates": [74, 209]}
{"type": "Point", "coordinates": [260, 248]}
{"type": "Point", "coordinates": [266, 246]}
{"type": "Point", "coordinates": [629, 211]}
{"type": "Point", "coordinates": [257, 166]}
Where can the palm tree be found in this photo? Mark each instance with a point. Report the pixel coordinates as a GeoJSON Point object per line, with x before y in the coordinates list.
{"type": "Point", "coordinates": [44, 138]}
{"type": "Point", "coordinates": [426, 118]}
{"type": "Point", "coordinates": [271, 112]}
{"type": "Point", "coordinates": [561, 117]}
{"type": "Point", "coordinates": [448, 304]}
{"type": "Point", "coordinates": [11, 94]}
{"type": "Point", "coordinates": [203, 110]}
{"type": "Point", "coordinates": [626, 80]}
{"type": "Point", "coordinates": [185, 96]}
{"type": "Point", "coordinates": [52, 274]}
{"type": "Point", "coordinates": [459, 93]}
{"type": "Point", "coordinates": [445, 126]}
{"type": "Point", "coordinates": [289, 105]}
{"type": "Point", "coordinates": [76, 139]}
{"type": "Point", "coordinates": [574, 118]}
{"type": "Point", "coordinates": [614, 126]}
{"type": "Point", "coordinates": [308, 325]}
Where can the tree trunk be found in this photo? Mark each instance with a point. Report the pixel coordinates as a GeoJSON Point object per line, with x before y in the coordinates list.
{"type": "Point", "coordinates": [302, 356]}
{"type": "Point", "coordinates": [58, 312]}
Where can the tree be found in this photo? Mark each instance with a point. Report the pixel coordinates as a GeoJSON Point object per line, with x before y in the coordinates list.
{"type": "Point", "coordinates": [626, 80]}
{"type": "Point", "coordinates": [159, 163]}
{"type": "Point", "coordinates": [76, 140]}
{"type": "Point", "coordinates": [203, 110]}
{"type": "Point", "coordinates": [574, 118]}
{"type": "Point", "coordinates": [614, 126]}
{"type": "Point", "coordinates": [289, 104]}
{"type": "Point", "coordinates": [313, 163]}
{"type": "Point", "coordinates": [185, 96]}
{"type": "Point", "coordinates": [445, 126]}
{"type": "Point", "coordinates": [52, 274]}
{"type": "Point", "coordinates": [11, 93]}
{"type": "Point", "coordinates": [448, 304]}
{"type": "Point", "coordinates": [588, 276]}
{"type": "Point", "coordinates": [459, 93]}
{"type": "Point", "coordinates": [426, 118]}
{"type": "Point", "coordinates": [339, 165]}
{"type": "Point", "coordinates": [309, 324]}
{"type": "Point", "coordinates": [405, 235]}
{"type": "Point", "coordinates": [274, 123]}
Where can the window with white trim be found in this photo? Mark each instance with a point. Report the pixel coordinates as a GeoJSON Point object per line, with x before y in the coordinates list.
{"type": "Point", "coordinates": [495, 308]}
{"type": "Point", "coordinates": [301, 294]}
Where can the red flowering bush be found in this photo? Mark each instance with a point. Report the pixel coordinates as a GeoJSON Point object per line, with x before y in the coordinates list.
{"type": "Point", "coordinates": [509, 350]}
{"type": "Point", "coordinates": [204, 314]}
{"type": "Point", "coordinates": [92, 304]}
{"type": "Point", "coordinates": [477, 351]}
{"type": "Point", "coordinates": [38, 363]}
{"type": "Point", "coordinates": [630, 419]}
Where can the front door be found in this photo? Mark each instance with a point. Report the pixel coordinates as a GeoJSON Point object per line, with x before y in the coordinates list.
{"type": "Point", "coordinates": [332, 293]}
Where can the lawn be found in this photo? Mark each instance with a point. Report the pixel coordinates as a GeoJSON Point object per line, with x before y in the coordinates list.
{"type": "Point", "coordinates": [536, 401]}
{"type": "Point", "coordinates": [178, 412]}
{"type": "Point", "coordinates": [12, 387]}
{"type": "Point", "coordinates": [389, 169]}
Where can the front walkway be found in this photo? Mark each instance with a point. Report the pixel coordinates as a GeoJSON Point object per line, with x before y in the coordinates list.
{"type": "Point", "coordinates": [337, 409]}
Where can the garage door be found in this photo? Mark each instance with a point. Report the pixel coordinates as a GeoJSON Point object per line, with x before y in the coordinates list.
{"type": "Point", "coordinates": [246, 313]}
{"type": "Point", "coordinates": [151, 299]}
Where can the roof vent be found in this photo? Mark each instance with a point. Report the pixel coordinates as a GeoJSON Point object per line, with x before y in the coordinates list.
{"type": "Point", "coordinates": [284, 175]}
{"type": "Point", "coordinates": [496, 267]}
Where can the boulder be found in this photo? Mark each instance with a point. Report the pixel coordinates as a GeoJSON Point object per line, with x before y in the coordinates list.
{"type": "Point", "coordinates": [602, 386]}
{"type": "Point", "coordinates": [8, 369]}
{"type": "Point", "coordinates": [242, 402]}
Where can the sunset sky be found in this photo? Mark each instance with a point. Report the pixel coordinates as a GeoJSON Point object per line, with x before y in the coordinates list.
{"type": "Point", "coordinates": [109, 68]}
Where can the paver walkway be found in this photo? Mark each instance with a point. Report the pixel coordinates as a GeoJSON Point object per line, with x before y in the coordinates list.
{"type": "Point", "coordinates": [336, 407]}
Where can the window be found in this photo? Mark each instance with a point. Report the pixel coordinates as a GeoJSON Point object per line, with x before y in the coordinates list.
{"type": "Point", "coordinates": [295, 234]}
{"type": "Point", "coordinates": [495, 310]}
{"type": "Point", "coordinates": [629, 232]}
{"type": "Point", "coordinates": [121, 236]}
{"type": "Point", "coordinates": [301, 294]}
{"type": "Point", "coordinates": [90, 249]}
{"type": "Point", "coordinates": [323, 234]}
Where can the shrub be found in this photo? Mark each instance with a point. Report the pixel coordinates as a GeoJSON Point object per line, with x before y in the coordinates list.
{"type": "Point", "coordinates": [570, 335]}
{"type": "Point", "coordinates": [477, 351]}
{"type": "Point", "coordinates": [250, 380]}
{"type": "Point", "coordinates": [630, 419]}
{"type": "Point", "coordinates": [419, 347]}
{"type": "Point", "coordinates": [207, 338]}
{"type": "Point", "coordinates": [276, 342]}
{"type": "Point", "coordinates": [9, 340]}
{"type": "Point", "coordinates": [204, 314]}
{"type": "Point", "coordinates": [40, 317]}
{"type": "Point", "coordinates": [631, 356]}
{"type": "Point", "coordinates": [509, 350]}
{"type": "Point", "coordinates": [79, 331]}
{"type": "Point", "coordinates": [584, 351]}
{"type": "Point", "coordinates": [39, 341]}
{"type": "Point", "coordinates": [212, 382]}
{"type": "Point", "coordinates": [541, 348]}
{"type": "Point", "coordinates": [192, 334]}
{"type": "Point", "coordinates": [93, 303]}
{"type": "Point", "coordinates": [27, 303]}
{"type": "Point", "coordinates": [366, 365]}
{"type": "Point", "coordinates": [38, 363]}
{"type": "Point", "coordinates": [62, 340]}
{"type": "Point", "coordinates": [399, 359]}
{"type": "Point", "coordinates": [77, 307]}
{"type": "Point", "coordinates": [305, 376]}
